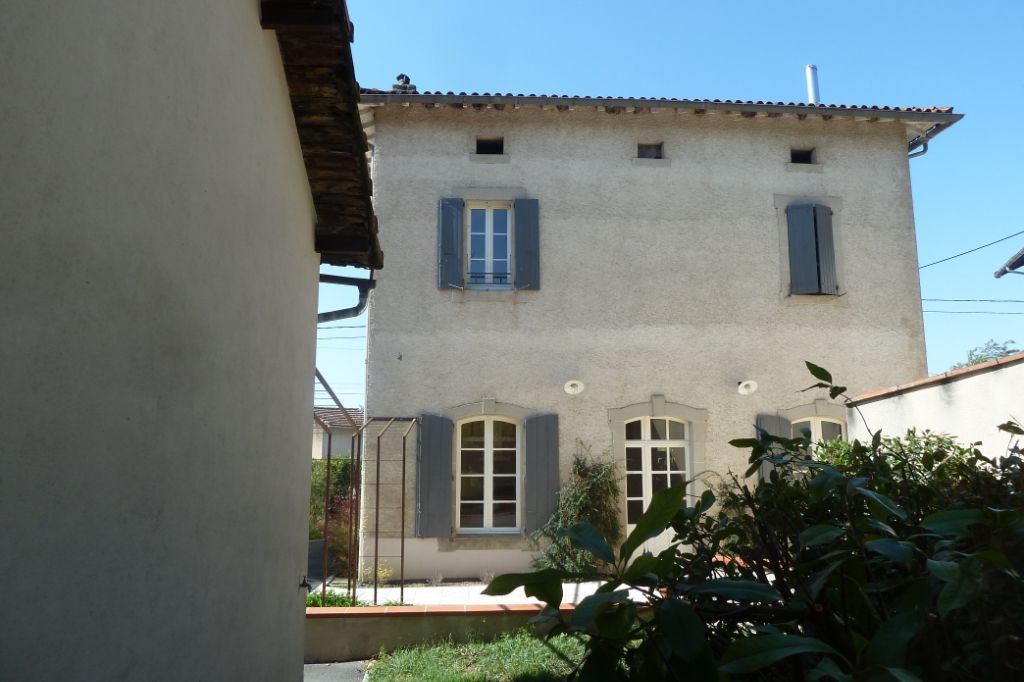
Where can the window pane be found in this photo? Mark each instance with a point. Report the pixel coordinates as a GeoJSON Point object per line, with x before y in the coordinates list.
{"type": "Point", "coordinates": [676, 479]}
{"type": "Point", "coordinates": [659, 430]}
{"type": "Point", "coordinates": [831, 431]}
{"type": "Point", "coordinates": [504, 461]}
{"type": "Point", "coordinates": [659, 459]}
{"type": "Point", "coordinates": [500, 271]}
{"type": "Point", "coordinates": [478, 265]}
{"type": "Point", "coordinates": [501, 221]}
{"type": "Point", "coordinates": [473, 434]}
{"type": "Point", "coordinates": [678, 458]}
{"type": "Point", "coordinates": [677, 430]}
{"type": "Point", "coordinates": [504, 435]}
{"type": "Point", "coordinates": [477, 246]}
{"type": "Point", "coordinates": [801, 429]}
{"type": "Point", "coordinates": [634, 510]}
{"type": "Point", "coordinates": [500, 247]}
{"type": "Point", "coordinates": [477, 220]}
{"type": "Point", "coordinates": [659, 482]}
{"type": "Point", "coordinates": [472, 462]}
{"type": "Point", "coordinates": [505, 515]}
{"type": "Point", "coordinates": [472, 488]}
{"type": "Point", "coordinates": [633, 430]}
{"type": "Point", "coordinates": [634, 459]}
{"type": "Point", "coordinates": [634, 485]}
{"type": "Point", "coordinates": [504, 488]}
{"type": "Point", "coordinates": [471, 515]}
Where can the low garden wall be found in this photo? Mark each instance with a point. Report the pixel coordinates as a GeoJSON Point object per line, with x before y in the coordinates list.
{"type": "Point", "coordinates": [356, 633]}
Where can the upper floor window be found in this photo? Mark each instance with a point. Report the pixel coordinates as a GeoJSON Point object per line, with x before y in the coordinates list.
{"type": "Point", "coordinates": [487, 475]}
{"type": "Point", "coordinates": [488, 244]}
{"type": "Point", "coordinates": [819, 429]}
{"type": "Point", "coordinates": [489, 256]}
{"type": "Point", "coordinates": [656, 458]}
{"type": "Point", "coordinates": [812, 258]}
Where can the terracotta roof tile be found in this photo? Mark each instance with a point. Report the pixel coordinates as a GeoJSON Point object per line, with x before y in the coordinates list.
{"type": "Point", "coordinates": [945, 377]}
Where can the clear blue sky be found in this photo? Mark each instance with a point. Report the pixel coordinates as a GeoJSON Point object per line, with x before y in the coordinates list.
{"type": "Point", "coordinates": [945, 53]}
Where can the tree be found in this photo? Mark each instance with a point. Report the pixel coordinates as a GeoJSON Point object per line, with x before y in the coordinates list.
{"type": "Point", "coordinates": [990, 350]}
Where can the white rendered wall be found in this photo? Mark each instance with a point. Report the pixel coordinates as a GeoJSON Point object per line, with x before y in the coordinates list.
{"type": "Point", "coordinates": [158, 301]}
{"type": "Point", "coordinates": [665, 277]}
{"type": "Point", "coordinates": [969, 408]}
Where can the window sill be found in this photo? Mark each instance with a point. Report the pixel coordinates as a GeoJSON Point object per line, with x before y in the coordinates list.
{"type": "Point", "coordinates": [487, 296]}
{"type": "Point", "coordinates": [838, 300]}
{"type": "Point", "coordinates": [486, 540]}
{"type": "Point", "coordinates": [804, 167]}
{"type": "Point", "coordinates": [478, 532]}
{"type": "Point", "coordinates": [652, 163]}
{"type": "Point", "coordinates": [489, 158]}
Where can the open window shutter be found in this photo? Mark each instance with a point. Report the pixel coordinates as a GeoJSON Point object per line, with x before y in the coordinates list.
{"type": "Point", "coordinates": [540, 435]}
{"type": "Point", "coordinates": [449, 243]}
{"type": "Point", "coordinates": [774, 425]}
{"type": "Point", "coordinates": [527, 243]}
{"type": "Point", "coordinates": [826, 250]}
{"type": "Point", "coordinates": [434, 477]}
{"type": "Point", "coordinates": [803, 250]}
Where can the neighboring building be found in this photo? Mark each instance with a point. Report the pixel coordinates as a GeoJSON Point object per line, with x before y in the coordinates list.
{"type": "Point", "coordinates": [163, 203]}
{"type": "Point", "coordinates": [968, 403]}
{"type": "Point", "coordinates": [342, 422]}
{"type": "Point", "coordinates": [572, 270]}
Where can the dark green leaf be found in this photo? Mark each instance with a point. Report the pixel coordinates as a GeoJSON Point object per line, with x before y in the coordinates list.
{"type": "Point", "coordinates": [997, 559]}
{"type": "Point", "coordinates": [1011, 427]}
{"type": "Point", "coordinates": [889, 644]}
{"type": "Point", "coordinates": [835, 391]}
{"type": "Point", "coordinates": [591, 606]}
{"type": "Point", "coordinates": [820, 534]}
{"type": "Point", "coordinates": [819, 373]}
{"type": "Point", "coordinates": [902, 675]}
{"type": "Point", "coordinates": [748, 654]}
{"type": "Point", "coordinates": [683, 630]}
{"type": "Point", "coordinates": [961, 591]}
{"type": "Point", "coordinates": [953, 521]}
{"type": "Point", "coordinates": [828, 669]}
{"type": "Point", "coordinates": [876, 440]}
{"type": "Point", "coordinates": [741, 590]}
{"type": "Point", "coordinates": [882, 501]}
{"type": "Point", "coordinates": [545, 585]}
{"type": "Point", "coordinates": [616, 624]}
{"type": "Point", "coordinates": [819, 578]}
{"type": "Point", "coordinates": [946, 571]}
{"type": "Point", "coordinates": [827, 480]}
{"type": "Point", "coordinates": [745, 443]}
{"type": "Point", "coordinates": [586, 537]}
{"type": "Point", "coordinates": [664, 505]}
{"type": "Point", "coordinates": [868, 524]}
{"type": "Point", "coordinates": [641, 566]}
{"type": "Point", "coordinates": [901, 552]}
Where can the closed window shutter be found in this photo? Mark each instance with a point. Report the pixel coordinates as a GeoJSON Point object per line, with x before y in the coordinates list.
{"type": "Point", "coordinates": [527, 243]}
{"type": "Point", "coordinates": [803, 250]}
{"type": "Point", "coordinates": [540, 434]}
{"type": "Point", "coordinates": [434, 477]}
{"type": "Point", "coordinates": [773, 425]}
{"type": "Point", "coordinates": [826, 250]}
{"type": "Point", "coordinates": [449, 243]}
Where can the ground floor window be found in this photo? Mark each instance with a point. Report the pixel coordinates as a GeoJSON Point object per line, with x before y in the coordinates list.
{"type": "Point", "coordinates": [819, 429]}
{"type": "Point", "coordinates": [487, 474]}
{"type": "Point", "coordinates": [657, 456]}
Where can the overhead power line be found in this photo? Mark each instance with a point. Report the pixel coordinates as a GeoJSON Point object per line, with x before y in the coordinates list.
{"type": "Point", "coordinates": [976, 300]}
{"type": "Point", "coordinates": [972, 250]}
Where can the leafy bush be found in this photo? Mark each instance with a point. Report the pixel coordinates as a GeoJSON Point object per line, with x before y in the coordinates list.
{"type": "Point", "coordinates": [591, 494]}
{"type": "Point", "coordinates": [339, 510]}
{"type": "Point", "coordinates": [894, 560]}
{"type": "Point", "coordinates": [314, 598]}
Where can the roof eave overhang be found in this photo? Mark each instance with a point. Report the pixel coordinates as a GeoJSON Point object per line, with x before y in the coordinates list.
{"type": "Point", "coordinates": [313, 37]}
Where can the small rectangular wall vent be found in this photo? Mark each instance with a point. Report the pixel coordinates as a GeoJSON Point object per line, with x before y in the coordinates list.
{"type": "Point", "coordinates": [652, 150]}
{"type": "Point", "coordinates": [490, 145]}
{"type": "Point", "coordinates": [802, 156]}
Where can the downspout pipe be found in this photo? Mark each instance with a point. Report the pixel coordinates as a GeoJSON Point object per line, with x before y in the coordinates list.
{"type": "Point", "coordinates": [922, 141]}
{"type": "Point", "coordinates": [364, 286]}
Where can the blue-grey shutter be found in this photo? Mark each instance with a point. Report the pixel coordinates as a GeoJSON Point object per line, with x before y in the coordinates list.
{"type": "Point", "coordinates": [826, 250]}
{"type": "Point", "coordinates": [803, 250]}
{"type": "Point", "coordinates": [527, 242]}
{"type": "Point", "coordinates": [540, 435]}
{"type": "Point", "coordinates": [434, 477]}
{"type": "Point", "coordinates": [449, 243]}
{"type": "Point", "coordinates": [774, 425]}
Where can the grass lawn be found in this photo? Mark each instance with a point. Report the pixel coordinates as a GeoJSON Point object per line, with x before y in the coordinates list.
{"type": "Point", "coordinates": [516, 656]}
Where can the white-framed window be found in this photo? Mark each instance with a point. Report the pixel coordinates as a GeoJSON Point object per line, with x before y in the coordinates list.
{"type": "Point", "coordinates": [819, 428]}
{"type": "Point", "coordinates": [487, 475]}
{"type": "Point", "coordinates": [489, 244]}
{"type": "Point", "coordinates": [657, 456]}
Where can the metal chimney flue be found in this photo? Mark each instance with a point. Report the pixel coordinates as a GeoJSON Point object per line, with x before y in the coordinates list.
{"type": "Point", "coordinates": [812, 84]}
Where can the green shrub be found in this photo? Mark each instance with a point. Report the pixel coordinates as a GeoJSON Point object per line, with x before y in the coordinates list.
{"type": "Point", "coordinates": [340, 484]}
{"type": "Point", "coordinates": [894, 560]}
{"type": "Point", "coordinates": [592, 495]}
{"type": "Point", "coordinates": [333, 599]}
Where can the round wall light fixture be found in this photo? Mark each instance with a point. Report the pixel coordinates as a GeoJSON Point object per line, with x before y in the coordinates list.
{"type": "Point", "coordinates": [746, 387]}
{"type": "Point", "coordinates": [573, 387]}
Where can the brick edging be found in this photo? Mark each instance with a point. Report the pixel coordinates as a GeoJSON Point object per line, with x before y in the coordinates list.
{"type": "Point", "coordinates": [476, 610]}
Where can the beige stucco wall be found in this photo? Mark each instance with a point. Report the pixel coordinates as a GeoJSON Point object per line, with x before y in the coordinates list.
{"type": "Point", "coordinates": [157, 293]}
{"type": "Point", "coordinates": [341, 442]}
{"type": "Point", "coordinates": [657, 277]}
{"type": "Point", "coordinates": [969, 408]}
